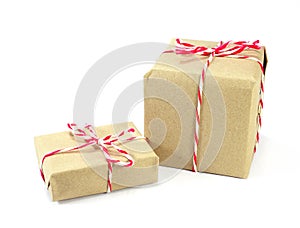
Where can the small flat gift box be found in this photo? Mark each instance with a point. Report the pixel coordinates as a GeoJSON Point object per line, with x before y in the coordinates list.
{"type": "Point", "coordinates": [86, 171]}
{"type": "Point", "coordinates": [231, 76]}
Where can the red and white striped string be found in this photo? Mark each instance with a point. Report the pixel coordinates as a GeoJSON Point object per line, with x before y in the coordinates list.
{"type": "Point", "coordinates": [260, 108]}
{"type": "Point", "coordinates": [227, 49]}
{"type": "Point", "coordinates": [90, 138]}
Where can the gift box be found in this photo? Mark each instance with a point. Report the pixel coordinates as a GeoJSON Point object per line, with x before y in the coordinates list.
{"type": "Point", "coordinates": [91, 160]}
{"type": "Point", "coordinates": [218, 85]}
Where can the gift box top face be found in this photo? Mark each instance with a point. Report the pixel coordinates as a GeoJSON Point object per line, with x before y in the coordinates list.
{"type": "Point", "coordinates": [222, 67]}
{"type": "Point", "coordinates": [89, 164]}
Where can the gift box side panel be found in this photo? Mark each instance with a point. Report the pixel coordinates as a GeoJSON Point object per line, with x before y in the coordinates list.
{"type": "Point", "coordinates": [84, 182]}
{"type": "Point", "coordinates": [169, 104]}
{"type": "Point", "coordinates": [236, 151]}
{"type": "Point", "coordinates": [76, 183]}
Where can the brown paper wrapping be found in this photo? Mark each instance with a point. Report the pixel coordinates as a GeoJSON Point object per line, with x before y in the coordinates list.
{"type": "Point", "coordinates": [232, 83]}
{"type": "Point", "coordinates": [76, 174]}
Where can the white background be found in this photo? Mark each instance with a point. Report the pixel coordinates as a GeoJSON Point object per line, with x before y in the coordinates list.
{"type": "Point", "coordinates": [47, 47]}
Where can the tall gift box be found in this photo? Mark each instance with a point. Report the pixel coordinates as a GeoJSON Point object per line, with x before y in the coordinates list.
{"type": "Point", "coordinates": [229, 79]}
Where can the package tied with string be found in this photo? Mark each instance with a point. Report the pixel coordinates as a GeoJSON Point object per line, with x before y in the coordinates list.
{"type": "Point", "coordinates": [89, 160]}
{"type": "Point", "coordinates": [203, 103]}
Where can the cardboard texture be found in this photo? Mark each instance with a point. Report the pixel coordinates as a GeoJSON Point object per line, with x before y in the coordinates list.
{"type": "Point", "coordinates": [76, 174]}
{"type": "Point", "coordinates": [228, 119]}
